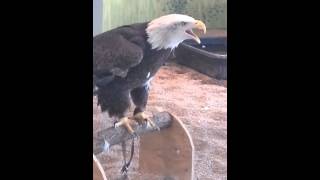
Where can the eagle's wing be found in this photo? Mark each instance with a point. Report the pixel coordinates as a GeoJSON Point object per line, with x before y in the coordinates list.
{"type": "Point", "coordinates": [114, 55]}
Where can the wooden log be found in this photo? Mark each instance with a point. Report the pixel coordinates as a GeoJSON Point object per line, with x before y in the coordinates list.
{"type": "Point", "coordinates": [112, 136]}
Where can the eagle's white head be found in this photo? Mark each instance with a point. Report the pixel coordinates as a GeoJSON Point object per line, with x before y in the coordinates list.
{"type": "Point", "coordinates": [169, 31]}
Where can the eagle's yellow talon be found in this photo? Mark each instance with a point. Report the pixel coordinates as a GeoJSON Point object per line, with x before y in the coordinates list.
{"type": "Point", "coordinates": [126, 122]}
{"type": "Point", "coordinates": [142, 118]}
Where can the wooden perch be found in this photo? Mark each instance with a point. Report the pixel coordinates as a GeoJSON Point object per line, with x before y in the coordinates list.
{"type": "Point", "coordinates": [111, 136]}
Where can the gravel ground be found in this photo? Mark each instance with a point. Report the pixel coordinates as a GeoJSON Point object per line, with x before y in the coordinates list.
{"type": "Point", "coordinates": [200, 102]}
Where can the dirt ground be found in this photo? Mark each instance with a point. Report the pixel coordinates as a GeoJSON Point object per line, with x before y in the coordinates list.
{"type": "Point", "coordinates": [196, 99]}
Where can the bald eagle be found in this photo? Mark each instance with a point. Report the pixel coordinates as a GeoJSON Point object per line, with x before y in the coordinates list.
{"type": "Point", "coordinates": [126, 58]}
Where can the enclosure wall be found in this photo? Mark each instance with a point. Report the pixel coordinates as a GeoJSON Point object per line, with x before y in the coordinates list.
{"type": "Point", "coordinates": [121, 12]}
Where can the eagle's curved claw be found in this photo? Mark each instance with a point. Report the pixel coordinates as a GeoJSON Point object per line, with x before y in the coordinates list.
{"type": "Point", "coordinates": [126, 122]}
{"type": "Point", "coordinates": [141, 118]}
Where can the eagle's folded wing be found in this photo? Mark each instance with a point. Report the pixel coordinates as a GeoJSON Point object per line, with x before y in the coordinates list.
{"type": "Point", "coordinates": [113, 54]}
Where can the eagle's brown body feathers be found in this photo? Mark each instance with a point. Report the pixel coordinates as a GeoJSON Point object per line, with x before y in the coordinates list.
{"type": "Point", "coordinates": [125, 59]}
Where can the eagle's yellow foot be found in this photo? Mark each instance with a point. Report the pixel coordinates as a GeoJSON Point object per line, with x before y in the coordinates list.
{"type": "Point", "coordinates": [126, 122]}
{"type": "Point", "coordinates": [143, 118]}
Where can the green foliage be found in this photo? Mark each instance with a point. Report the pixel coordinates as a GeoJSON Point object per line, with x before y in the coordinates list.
{"type": "Point", "coordinates": [121, 12]}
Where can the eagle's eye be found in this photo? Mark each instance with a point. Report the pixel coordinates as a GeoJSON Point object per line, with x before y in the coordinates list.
{"type": "Point", "coordinates": [183, 23]}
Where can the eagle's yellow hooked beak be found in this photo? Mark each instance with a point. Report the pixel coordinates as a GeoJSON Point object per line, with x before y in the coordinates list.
{"type": "Point", "coordinates": [200, 26]}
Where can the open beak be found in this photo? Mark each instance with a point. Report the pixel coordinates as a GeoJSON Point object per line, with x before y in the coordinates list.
{"type": "Point", "coordinates": [200, 26]}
